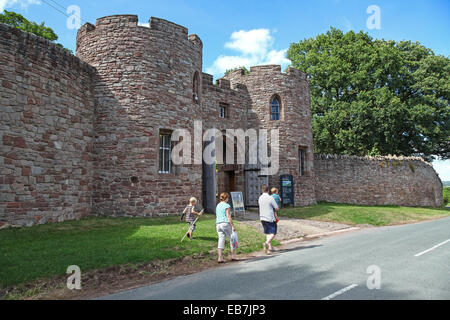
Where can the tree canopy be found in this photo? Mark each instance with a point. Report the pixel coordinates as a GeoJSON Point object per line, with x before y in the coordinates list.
{"type": "Point", "coordinates": [18, 21]}
{"type": "Point", "coordinates": [375, 97]}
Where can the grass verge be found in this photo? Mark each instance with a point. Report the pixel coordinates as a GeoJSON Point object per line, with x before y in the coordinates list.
{"type": "Point", "coordinates": [45, 251]}
{"type": "Point", "coordinates": [359, 214]}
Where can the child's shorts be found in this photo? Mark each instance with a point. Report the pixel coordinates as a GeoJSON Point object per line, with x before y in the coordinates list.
{"type": "Point", "coordinates": [192, 226]}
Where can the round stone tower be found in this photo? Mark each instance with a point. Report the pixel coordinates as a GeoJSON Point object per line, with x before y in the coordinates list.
{"type": "Point", "coordinates": [265, 84]}
{"type": "Point", "coordinates": [148, 83]}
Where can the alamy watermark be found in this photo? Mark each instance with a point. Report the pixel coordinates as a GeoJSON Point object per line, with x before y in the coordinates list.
{"type": "Point", "coordinates": [374, 279]}
{"type": "Point", "coordinates": [74, 17]}
{"type": "Point", "coordinates": [220, 147]}
{"type": "Point", "coordinates": [374, 20]}
{"type": "Point", "coordinates": [74, 280]}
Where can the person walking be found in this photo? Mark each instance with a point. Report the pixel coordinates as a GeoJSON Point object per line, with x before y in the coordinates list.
{"type": "Point", "coordinates": [224, 226]}
{"type": "Point", "coordinates": [268, 216]}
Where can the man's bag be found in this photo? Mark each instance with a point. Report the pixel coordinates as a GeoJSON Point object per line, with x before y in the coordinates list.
{"type": "Point", "coordinates": [234, 240]}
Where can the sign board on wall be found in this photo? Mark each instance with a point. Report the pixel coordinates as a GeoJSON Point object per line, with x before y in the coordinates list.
{"type": "Point", "coordinates": [287, 189]}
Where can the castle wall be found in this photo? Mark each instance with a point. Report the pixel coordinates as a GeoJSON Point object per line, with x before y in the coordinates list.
{"type": "Point", "coordinates": [376, 181]}
{"type": "Point", "coordinates": [262, 83]}
{"type": "Point", "coordinates": [237, 102]}
{"type": "Point", "coordinates": [46, 131]}
{"type": "Point", "coordinates": [144, 84]}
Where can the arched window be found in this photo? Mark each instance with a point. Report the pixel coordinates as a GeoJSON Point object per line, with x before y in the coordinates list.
{"type": "Point", "coordinates": [195, 88]}
{"type": "Point", "coordinates": [275, 108]}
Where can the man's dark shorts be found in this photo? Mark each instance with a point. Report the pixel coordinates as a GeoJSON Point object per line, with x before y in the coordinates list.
{"type": "Point", "coordinates": [269, 227]}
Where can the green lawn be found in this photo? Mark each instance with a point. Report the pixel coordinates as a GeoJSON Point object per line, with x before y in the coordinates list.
{"type": "Point", "coordinates": [359, 214]}
{"type": "Point", "coordinates": [47, 250]}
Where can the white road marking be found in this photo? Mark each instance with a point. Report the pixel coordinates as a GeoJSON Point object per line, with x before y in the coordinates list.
{"type": "Point", "coordinates": [337, 293]}
{"type": "Point", "coordinates": [432, 248]}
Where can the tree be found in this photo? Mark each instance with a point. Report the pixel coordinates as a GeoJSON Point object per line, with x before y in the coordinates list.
{"type": "Point", "coordinates": [375, 97]}
{"type": "Point", "coordinates": [238, 68]}
{"type": "Point", "coordinates": [18, 21]}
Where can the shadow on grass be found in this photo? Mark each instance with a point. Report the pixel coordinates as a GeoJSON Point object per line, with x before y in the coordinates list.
{"type": "Point", "coordinates": [205, 238]}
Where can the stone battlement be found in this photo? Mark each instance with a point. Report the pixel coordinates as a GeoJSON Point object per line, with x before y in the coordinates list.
{"type": "Point", "coordinates": [25, 43]}
{"type": "Point", "coordinates": [266, 69]}
{"type": "Point", "coordinates": [369, 158]}
{"type": "Point", "coordinates": [156, 25]}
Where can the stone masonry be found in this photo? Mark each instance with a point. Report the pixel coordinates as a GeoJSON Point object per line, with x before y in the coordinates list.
{"type": "Point", "coordinates": [404, 181]}
{"type": "Point", "coordinates": [46, 131]}
{"type": "Point", "coordinates": [81, 135]}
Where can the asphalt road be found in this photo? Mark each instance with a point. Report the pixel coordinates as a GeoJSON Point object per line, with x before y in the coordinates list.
{"type": "Point", "coordinates": [407, 262]}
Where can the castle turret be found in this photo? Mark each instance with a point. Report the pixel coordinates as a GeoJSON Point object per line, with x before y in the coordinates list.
{"type": "Point", "coordinates": [282, 101]}
{"type": "Point", "coordinates": [148, 84]}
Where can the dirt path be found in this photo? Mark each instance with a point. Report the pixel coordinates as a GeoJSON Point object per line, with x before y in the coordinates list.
{"type": "Point", "coordinates": [289, 228]}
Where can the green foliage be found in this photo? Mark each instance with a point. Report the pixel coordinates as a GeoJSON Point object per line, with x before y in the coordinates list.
{"type": "Point", "coordinates": [375, 97]}
{"type": "Point", "coordinates": [446, 195]}
{"type": "Point", "coordinates": [18, 21]}
{"type": "Point", "coordinates": [246, 71]}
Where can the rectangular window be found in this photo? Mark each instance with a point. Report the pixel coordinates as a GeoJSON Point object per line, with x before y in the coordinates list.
{"type": "Point", "coordinates": [301, 161]}
{"type": "Point", "coordinates": [165, 150]}
{"type": "Point", "coordinates": [223, 110]}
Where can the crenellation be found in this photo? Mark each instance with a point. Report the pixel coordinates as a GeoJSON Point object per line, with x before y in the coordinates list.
{"type": "Point", "coordinates": [223, 83]}
{"type": "Point", "coordinates": [195, 39]}
{"type": "Point", "coordinates": [207, 79]}
{"type": "Point", "coordinates": [296, 73]}
{"type": "Point", "coordinates": [168, 27]}
{"type": "Point", "coordinates": [272, 68]}
{"type": "Point", "coordinates": [120, 20]}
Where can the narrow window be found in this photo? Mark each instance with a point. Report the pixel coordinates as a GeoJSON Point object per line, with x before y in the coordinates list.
{"type": "Point", "coordinates": [301, 161]}
{"type": "Point", "coordinates": [223, 110]}
{"type": "Point", "coordinates": [195, 88]}
{"type": "Point", "coordinates": [275, 108]}
{"type": "Point", "coordinates": [165, 150]}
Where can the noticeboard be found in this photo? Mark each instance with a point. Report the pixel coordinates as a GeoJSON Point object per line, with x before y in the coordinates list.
{"type": "Point", "coordinates": [238, 202]}
{"type": "Point", "coordinates": [287, 189]}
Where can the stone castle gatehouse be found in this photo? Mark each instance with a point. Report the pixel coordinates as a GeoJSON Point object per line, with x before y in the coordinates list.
{"type": "Point", "coordinates": [91, 134]}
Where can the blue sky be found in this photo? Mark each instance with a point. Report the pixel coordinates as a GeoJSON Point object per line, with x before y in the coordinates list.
{"type": "Point", "coordinates": [249, 32]}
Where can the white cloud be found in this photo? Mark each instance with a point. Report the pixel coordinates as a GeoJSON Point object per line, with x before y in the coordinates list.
{"type": "Point", "coordinates": [253, 47]}
{"type": "Point", "coordinates": [442, 167]}
{"type": "Point", "coordinates": [142, 24]}
{"type": "Point", "coordinates": [5, 4]}
{"type": "Point", "coordinates": [253, 42]}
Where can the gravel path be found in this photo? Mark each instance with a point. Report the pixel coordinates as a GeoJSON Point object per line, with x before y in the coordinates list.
{"type": "Point", "coordinates": [289, 228]}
